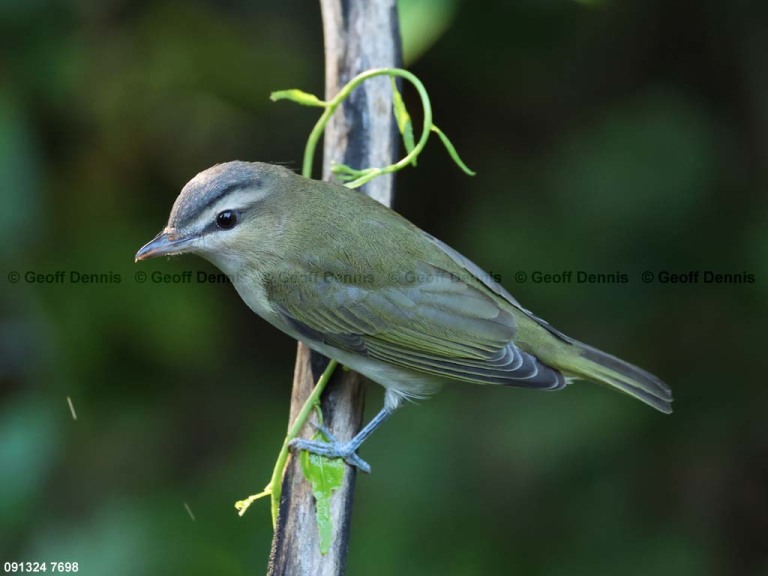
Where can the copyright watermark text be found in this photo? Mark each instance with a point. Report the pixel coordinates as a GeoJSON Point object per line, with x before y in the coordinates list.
{"type": "Point", "coordinates": [399, 278]}
{"type": "Point", "coordinates": [691, 277]}
{"type": "Point", "coordinates": [63, 277]}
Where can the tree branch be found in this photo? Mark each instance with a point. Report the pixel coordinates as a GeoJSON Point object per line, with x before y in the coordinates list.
{"type": "Point", "coordinates": [359, 35]}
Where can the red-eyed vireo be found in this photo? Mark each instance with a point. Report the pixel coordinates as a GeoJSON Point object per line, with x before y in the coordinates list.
{"type": "Point", "coordinates": [362, 285]}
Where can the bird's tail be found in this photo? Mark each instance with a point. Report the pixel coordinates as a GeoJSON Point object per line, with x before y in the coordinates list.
{"type": "Point", "coordinates": [593, 364]}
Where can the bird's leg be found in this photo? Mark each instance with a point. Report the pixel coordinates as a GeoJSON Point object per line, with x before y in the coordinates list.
{"type": "Point", "coordinates": [346, 450]}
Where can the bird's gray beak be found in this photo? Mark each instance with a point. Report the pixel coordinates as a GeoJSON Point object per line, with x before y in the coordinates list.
{"type": "Point", "coordinates": [164, 244]}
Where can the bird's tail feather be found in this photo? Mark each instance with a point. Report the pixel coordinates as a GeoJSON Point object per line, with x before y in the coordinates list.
{"type": "Point", "coordinates": [593, 364]}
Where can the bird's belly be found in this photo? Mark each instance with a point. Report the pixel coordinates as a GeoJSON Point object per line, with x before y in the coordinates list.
{"type": "Point", "coordinates": [400, 383]}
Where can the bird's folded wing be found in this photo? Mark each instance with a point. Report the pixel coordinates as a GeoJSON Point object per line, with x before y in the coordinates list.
{"type": "Point", "coordinates": [483, 277]}
{"type": "Point", "coordinates": [429, 321]}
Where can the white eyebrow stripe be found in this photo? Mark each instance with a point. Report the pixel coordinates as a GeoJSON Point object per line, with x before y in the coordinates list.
{"type": "Point", "coordinates": [235, 200]}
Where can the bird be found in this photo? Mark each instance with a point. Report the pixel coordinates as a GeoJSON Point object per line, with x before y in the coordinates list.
{"type": "Point", "coordinates": [361, 284]}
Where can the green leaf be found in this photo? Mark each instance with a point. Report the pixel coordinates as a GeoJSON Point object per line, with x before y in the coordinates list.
{"type": "Point", "coordinates": [298, 96]}
{"type": "Point", "coordinates": [423, 23]}
{"type": "Point", "coordinates": [452, 151]}
{"type": "Point", "coordinates": [325, 475]}
{"type": "Point", "coordinates": [403, 119]}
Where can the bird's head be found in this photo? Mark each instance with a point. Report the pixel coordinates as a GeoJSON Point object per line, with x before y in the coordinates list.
{"type": "Point", "coordinates": [229, 214]}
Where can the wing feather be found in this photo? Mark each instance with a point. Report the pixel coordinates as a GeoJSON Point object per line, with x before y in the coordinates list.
{"type": "Point", "coordinates": [430, 322]}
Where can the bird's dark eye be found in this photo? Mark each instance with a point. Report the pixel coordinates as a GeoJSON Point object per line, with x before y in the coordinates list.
{"type": "Point", "coordinates": [226, 219]}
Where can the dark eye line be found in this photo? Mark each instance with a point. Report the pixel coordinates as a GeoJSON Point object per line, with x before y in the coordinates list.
{"type": "Point", "coordinates": [226, 191]}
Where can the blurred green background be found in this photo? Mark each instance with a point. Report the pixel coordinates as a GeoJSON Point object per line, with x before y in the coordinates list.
{"type": "Point", "coordinates": [608, 136]}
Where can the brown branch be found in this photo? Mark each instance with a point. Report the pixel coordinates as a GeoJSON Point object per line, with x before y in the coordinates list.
{"type": "Point", "coordinates": [359, 35]}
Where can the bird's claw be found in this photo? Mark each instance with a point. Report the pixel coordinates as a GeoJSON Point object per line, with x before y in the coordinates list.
{"type": "Point", "coordinates": [325, 431]}
{"type": "Point", "coordinates": [331, 449]}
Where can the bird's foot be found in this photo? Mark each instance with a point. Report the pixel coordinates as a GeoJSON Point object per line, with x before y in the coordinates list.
{"type": "Point", "coordinates": [332, 449]}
